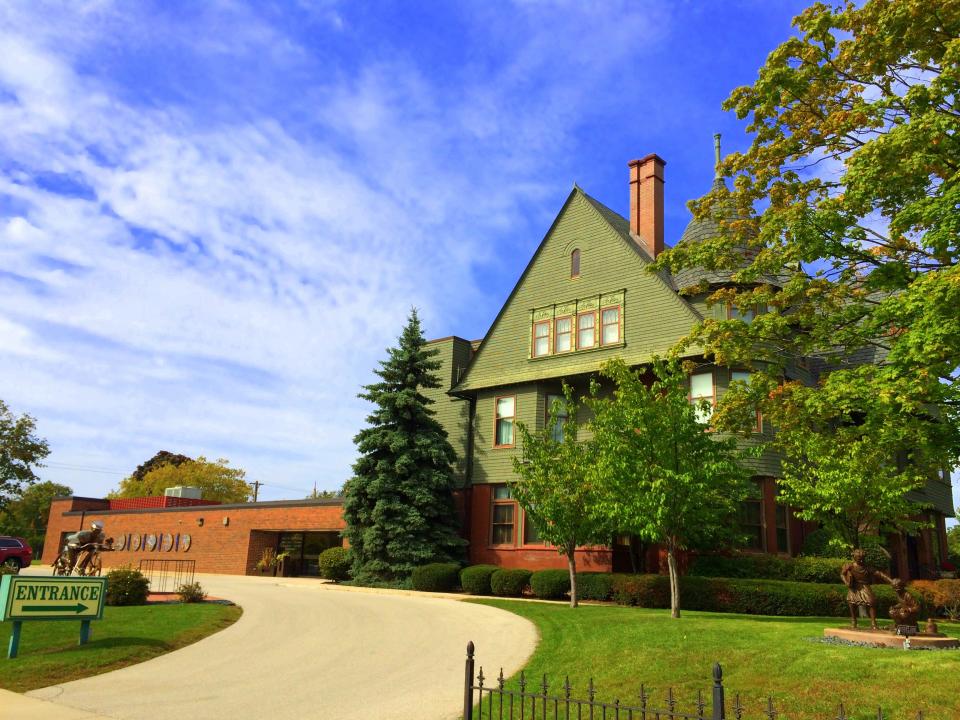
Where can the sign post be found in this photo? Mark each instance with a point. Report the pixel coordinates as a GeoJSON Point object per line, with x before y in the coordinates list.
{"type": "Point", "coordinates": [24, 598]}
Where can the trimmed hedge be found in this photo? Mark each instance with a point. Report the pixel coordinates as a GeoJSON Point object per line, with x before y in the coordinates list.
{"type": "Point", "coordinates": [436, 577]}
{"type": "Point", "coordinates": [768, 567]}
{"type": "Point", "coordinates": [750, 597]}
{"type": "Point", "coordinates": [509, 583]}
{"type": "Point", "coordinates": [475, 579]}
{"type": "Point", "coordinates": [594, 586]}
{"type": "Point", "coordinates": [550, 584]}
{"type": "Point", "coordinates": [334, 564]}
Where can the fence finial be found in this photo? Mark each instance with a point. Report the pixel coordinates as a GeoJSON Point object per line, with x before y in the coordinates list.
{"type": "Point", "coordinates": [717, 674]}
{"type": "Point", "coordinates": [470, 649]}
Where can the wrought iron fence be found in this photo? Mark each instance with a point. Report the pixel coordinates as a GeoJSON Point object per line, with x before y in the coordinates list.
{"type": "Point", "coordinates": [531, 700]}
{"type": "Point", "coordinates": [168, 575]}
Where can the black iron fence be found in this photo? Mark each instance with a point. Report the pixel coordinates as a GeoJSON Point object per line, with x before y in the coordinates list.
{"type": "Point", "coordinates": [486, 699]}
{"type": "Point", "coordinates": [168, 575]}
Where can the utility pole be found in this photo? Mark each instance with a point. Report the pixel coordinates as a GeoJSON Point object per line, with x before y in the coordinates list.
{"type": "Point", "coordinates": [256, 489]}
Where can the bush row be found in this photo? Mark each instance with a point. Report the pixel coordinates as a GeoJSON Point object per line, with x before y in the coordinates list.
{"type": "Point", "coordinates": [768, 567]}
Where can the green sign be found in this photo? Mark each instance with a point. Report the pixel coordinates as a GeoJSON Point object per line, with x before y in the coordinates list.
{"type": "Point", "coordinates": [24, 597]}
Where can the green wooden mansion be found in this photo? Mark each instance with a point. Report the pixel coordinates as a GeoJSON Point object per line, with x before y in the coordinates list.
{"type": "Point", "coordinates": [584, 297]}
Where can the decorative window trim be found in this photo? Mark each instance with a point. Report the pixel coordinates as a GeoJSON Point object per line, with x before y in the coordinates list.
{"type": "Point", "coordinates": [556, 334]}
{"type": "Point", "coordinates": [497, 418]}
{"type": "Point", "coordinates": [593, 314]}
{"type": "Point", "coordinates": [533, 339]}
{"type": "Point", "coordinates": [619, 309]}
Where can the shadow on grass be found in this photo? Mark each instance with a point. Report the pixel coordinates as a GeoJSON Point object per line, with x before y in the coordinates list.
{"type": "Point", "coordinates": [103, 644]}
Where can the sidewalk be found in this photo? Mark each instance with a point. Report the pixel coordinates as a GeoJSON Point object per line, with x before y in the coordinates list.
{"type": "Point", "coordinates": [14, 706]}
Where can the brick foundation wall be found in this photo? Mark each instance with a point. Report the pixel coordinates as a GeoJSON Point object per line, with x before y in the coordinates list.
{"type": "Point", "coordinates": [231, 548]}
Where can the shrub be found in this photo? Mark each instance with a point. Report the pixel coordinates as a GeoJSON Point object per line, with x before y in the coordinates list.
{"type": "Point", "coordinates": [751, 597]}
{"type": "Point", "coordinates": [8, 570]}
{"type": "Point", "coordinates": [936, 595]}
{"type": "Point", "coordinates": [509, 583]}
{"type": "Point", "coordinates": [760, 567]}
{"type": "Point", "coordinates": [335, 564]}
{"type": "Point", "coordinates": [817, 544]}
{"type": "Point", "coordinates": [436, 577]}
{"type": "Point", "coordinates": [126, 586]}
{"type": "Point", "coordinates": [476, 579]}
{"type": "Point", "coordinates": [550, 584]}
{"type": "Point", "coordinates": [191, 593]}
{"type": "Point", "coordinates": [594, 586]}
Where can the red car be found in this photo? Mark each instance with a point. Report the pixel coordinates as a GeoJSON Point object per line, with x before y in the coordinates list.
{"type": "Point", "coordinates": [15, 552]}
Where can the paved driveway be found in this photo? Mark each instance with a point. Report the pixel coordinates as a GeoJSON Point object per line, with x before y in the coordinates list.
{"type": "Point", "coordinates": [304, 650]}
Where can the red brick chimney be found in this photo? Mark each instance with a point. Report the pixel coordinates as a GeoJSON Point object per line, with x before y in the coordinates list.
{"type": "Point", "coordinates": [646, 202]}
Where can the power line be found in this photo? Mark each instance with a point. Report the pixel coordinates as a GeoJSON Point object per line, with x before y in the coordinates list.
{"type": "Point", "coordinates": [80, 468]}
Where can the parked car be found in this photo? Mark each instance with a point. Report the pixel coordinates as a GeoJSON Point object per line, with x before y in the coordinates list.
{"type": "Point", "coordinates": [15, 552]}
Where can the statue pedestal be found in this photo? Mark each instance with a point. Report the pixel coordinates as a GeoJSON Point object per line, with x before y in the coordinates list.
{"type": "Point", "coordinates": [889, 639]}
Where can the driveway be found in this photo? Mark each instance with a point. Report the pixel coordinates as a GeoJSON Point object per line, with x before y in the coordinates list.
{"type": "Point", "coordinates": [305, 650]}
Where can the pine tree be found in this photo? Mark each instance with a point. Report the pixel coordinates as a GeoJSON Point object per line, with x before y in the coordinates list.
{"type": "Point", "coordinates": [398, 507]}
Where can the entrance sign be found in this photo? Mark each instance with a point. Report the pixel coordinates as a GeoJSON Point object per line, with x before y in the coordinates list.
{"type": "Point", "coordinates": [25, 598]}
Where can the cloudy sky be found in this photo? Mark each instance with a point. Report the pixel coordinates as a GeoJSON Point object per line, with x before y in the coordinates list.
{"type": "Point", "coordinates": [215, 217]}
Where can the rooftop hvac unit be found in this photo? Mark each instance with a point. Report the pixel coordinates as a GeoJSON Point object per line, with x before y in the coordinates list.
{"type": "Point", "coordinates": [194, 493]}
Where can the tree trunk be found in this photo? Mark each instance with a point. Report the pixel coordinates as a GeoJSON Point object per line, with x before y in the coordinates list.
{"type": "Point", "coordinates": [572, 563]}
{"type": "Point", "coordinates": [674, 581]}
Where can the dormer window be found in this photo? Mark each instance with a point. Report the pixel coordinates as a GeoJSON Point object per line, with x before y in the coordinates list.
{"type": "Point", "coordinates": [575, 264]}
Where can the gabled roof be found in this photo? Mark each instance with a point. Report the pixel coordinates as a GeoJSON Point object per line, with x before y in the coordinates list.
{"type": "Point", "coordinates": [621, 227]}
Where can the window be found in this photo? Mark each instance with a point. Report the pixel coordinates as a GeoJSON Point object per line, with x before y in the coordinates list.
{"type": "Point", "coordinates": [610, 326]}
{"type": "Point", "coordinates": [530, 534]}
{"type": "Point", "coordinates": [751, 518]}
{"type": "Point", "coordinates": [701, 388]}
{"type": "Point", "coordinates": [575, 264]}
{"type": "Point", "coordinates": [738, 314]}
{"type": "Point", "coordinates": [744, 377]}
{"type": "Point", "coordinates": [506, 412]}
{"type": "Point", "coordinates": [502, 516]}
{"type": "Point", "coordinates": [561, 415]}
{"type": "Point", "coordinates": [562, 334]}
{"type": "Point", "coordinates": [541, 338]}
{"type": "Point", "coordinates": [782, 520]}
{"type": "Point", "coordinates": [586, 330]}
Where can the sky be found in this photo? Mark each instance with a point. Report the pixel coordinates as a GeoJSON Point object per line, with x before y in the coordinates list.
{"type": "Point", "coordinates": [215, 217]}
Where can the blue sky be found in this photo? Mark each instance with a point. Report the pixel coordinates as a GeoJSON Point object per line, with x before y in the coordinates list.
{"type": "Point", "coordinates": [214, 217]}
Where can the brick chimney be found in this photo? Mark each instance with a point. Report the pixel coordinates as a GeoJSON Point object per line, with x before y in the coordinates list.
{"type": "Point", "coordinates": [646, 202]}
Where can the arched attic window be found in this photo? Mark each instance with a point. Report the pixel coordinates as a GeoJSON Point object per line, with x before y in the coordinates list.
{"type": "Point", "coordinates": [575, 263]}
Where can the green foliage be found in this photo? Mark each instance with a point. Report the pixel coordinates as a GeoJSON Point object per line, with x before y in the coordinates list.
{"type": "Point", "coordinates": [751, 597]}
{"type": "Point", "coordinates": [664, 477]}
{"type": "Point", "coordinates": [398, 507]}
{"type": "Point", "coordinates": [595, 585]}
{"type": "Point", "coordinates": [557, 485]}
{"type": "Point", "coordinates": [217, 480]}
{"type": "Point", "coordinates": [27, 513]}
{"type": "Point", "coordinates": [476, 579]}
{"type": "Point", "coordinates": [508, 582]}
{"type": "Point", "coordinates": [817, 543]}
{"type": "Point", "coordinates": [953, 545]}
{"type": "Point", "coordinates": [846, 204]}
{"type": "Point", "coordinates": [126, 586]}
{"type": "Point", "coordinates": [191, 593]}
{"type": "Point", "coordinates": [550, 584]}
{"type": "Point", "coordinates": [335, 564]}
{"type": "Point", "coordinates": [21, 451]}
{"type": "Point", "coordinates": [800, 569]}
{"type": "Point", "coordinates": [8, 569]}
{"type": "Point", "coordinates": [436, 577]}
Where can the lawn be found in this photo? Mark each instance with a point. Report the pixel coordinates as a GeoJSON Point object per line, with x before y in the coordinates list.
{"type": "Point", "coordinates": [49, 652]}
{"type": "Point", "coordinates": [782, 657]}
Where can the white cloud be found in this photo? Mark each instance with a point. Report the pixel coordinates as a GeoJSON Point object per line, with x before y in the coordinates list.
{"type": "Point", "coordinates": [224, 287]}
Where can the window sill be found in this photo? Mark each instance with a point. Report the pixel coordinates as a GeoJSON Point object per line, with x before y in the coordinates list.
{"type": "Point", "coordinates": [504, 447]}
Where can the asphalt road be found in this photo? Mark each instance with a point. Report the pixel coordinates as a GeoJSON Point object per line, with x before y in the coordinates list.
{"type": "Point", "coordinates": [305, 650]}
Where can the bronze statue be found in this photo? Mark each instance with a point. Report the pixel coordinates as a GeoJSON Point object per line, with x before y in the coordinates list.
{"type": "Point", "coordinates": [80, 554]}
{"type": "Point", "coordinates": [905, 612]}
{"type": "Point", "coordinates": [858, 576]}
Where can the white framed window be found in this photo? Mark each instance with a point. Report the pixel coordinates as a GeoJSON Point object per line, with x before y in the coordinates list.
{"type": "Point", "coordinates": [610, 326]}
{"type": "Point", "coordinates": [506, 410]}
{"type": "Point", "coordinates": [541, 338]}
{"type": "Point", "coordinates": [557, 430]}
{"type": "Point", "coordinates": [586, 330]}
{"type": "Point", "coordinates": [702, 388]}
{"type": "Point", "coordinates": [563, 334]}
{"type": "Point", "coordinates": [744, 377]}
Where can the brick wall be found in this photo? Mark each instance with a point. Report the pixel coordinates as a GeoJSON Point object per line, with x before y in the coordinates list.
{"type": "Point", "coordinates": [231, 548]}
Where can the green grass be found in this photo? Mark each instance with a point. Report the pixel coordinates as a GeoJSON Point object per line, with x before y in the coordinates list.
{"type": "Point", "coordinates": [49, 652]}
{"type": "Point", "coordinates": [624, 647]}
